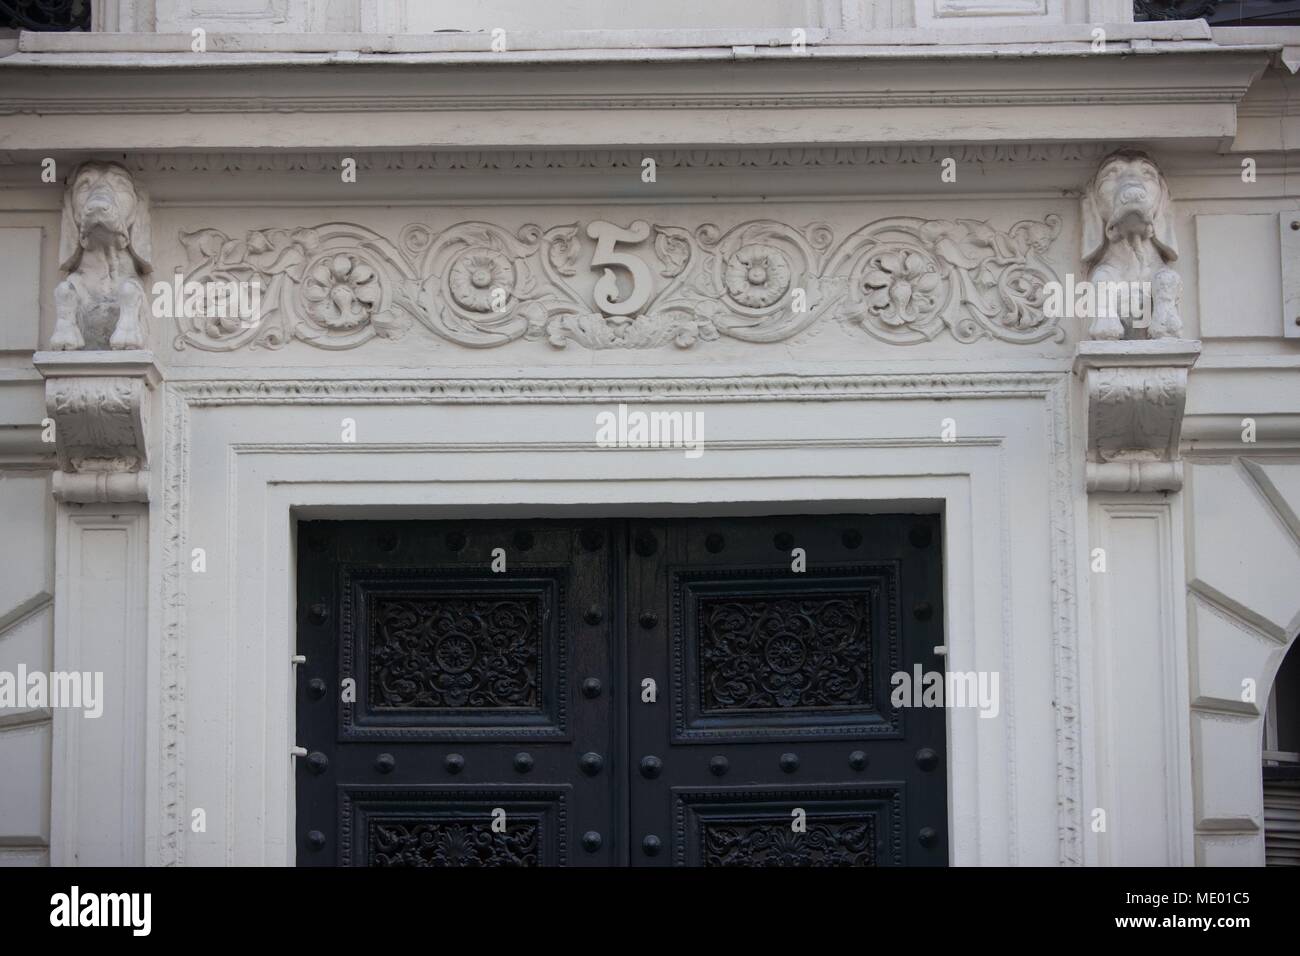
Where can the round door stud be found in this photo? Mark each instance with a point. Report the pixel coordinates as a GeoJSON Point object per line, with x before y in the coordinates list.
{"type": "Point", "coordinates": [858, 760]}
{"type": "Point", "coordinates": [454, 763]}
{"type": "Point", "coordinates": [852, 538]}
{"type": "Point", "coordinates": [715, 543]}
{"type": "Point", "coordinates": [523, 762]}
{"type": "Point", "coordinates": [593, 616]}
{"type": "Point", "coordinates": [920, 536]}
{"type": "Point", "coordinates": [789, 762]}
{"type": "Point", "coordinates": [592, 841]}
{"type": "Point", "coordinates": [719, 765]}
{"type": "Point", "coordinates": [315, 840]}
{"type": "Point", "coordinates": [591, 688]}
{"type": "Point", "coordinates": [456, 541]}
{"type": "Point", "coordinates": [927, 759]}
{"type": "Point", "coordinates": [317, 762]}
{"type": "Point", "coordinates": [651, 845]}
{"type": "Point", "coordinates": [927, 837]}
{"type": "Point", "coordinates": [651, 767]}
{"type": "Point", "coordinates": [524, 540]}
{"type": "Point", "coordinates": [316, 688]}
{"type": "Point", "coordinates": [783, 541]}
{"type": "Point", "coordinates": [922, 610]}
{"type": "Point", "coordinates": [648, 619]}
{"type": "Point", "coordinates": [591, 763]}
{"type": "Point", "coordinates": [387, 541]}
{"type": "Point", "coordinates": [385, 763]}
{"type": "Point", "coordinates": [591, 538]}
{"type": "Point", "coordinates": [645, 544]}
{"type": "Point", "coordinates": [318, 613]}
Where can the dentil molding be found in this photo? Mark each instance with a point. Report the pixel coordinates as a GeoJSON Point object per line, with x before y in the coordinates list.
{"type": "Point", "coordinates": [604, 285]}
{"type": "Point", "coordinates": [99, 403]}
{"type": "Point", "coordinates": [1136, 393]}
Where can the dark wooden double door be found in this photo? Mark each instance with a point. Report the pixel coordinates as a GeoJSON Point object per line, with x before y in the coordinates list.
{"type": "Point", "coordinates": [619, 692]}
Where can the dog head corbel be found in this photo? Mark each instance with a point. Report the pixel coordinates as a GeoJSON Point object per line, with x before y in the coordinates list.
{"type": "Point", "coordinates": [1128, 238]}
{"type": "Point", "coordinates": [103, 205]}
{"type": "Point", "coordinates": [105, 249]}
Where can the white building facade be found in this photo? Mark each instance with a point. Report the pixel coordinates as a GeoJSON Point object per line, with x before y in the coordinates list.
{"type": "Point", "coordinates": [861, 244]}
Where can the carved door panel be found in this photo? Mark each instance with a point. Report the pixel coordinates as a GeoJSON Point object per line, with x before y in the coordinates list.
{"type": "Point", "coordinates": [772, 690]}
{"type": "Point", "coordinates": [480, 729]}
{"type": "Point", "coordinates": [457, 711]}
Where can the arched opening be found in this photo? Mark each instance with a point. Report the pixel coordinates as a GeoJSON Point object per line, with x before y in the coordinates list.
{"type": "Point", "coordinates": [1282, 765]}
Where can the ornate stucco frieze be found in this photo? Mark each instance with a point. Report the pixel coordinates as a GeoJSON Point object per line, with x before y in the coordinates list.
{"type": "Point", "coordinates": [605, 285]}
{"type": "Point", "coordinates": [98, 402]}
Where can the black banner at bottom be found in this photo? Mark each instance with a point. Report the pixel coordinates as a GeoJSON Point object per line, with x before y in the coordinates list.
{"type": "Point", "coordinates": [365, 907]}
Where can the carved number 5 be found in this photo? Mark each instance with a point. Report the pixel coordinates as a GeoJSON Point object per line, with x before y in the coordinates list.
{"type": "Point", "coordinates": [606, 235]}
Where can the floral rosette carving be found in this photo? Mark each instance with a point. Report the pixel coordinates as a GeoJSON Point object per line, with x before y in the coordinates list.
{"type": "Point", "coordinates": [902, 286]}
{"type": "Point", "coordinates": [476, 274]}
{"type": "Point", "coordinates": [334, 286]}
{"type": "Point", "coordinates": [757, 282]}
{"type": "Point", "coordinates": [486, 287]}
{"type": "Point", "coordinates": [909, 279]}
{"type": "Point", "coordinates": [342, 292]}
{"type": "Point", "coordinates": [757, 275]}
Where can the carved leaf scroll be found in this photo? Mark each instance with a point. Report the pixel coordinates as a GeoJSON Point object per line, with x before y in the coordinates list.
{"type": "Point", "coordinates": [901, 280]}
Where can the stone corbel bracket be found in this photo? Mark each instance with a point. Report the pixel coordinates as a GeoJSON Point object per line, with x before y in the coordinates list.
{"type": "Point", "coordinates": [1136, 391]}
{"type": "Point", "coordinates": [99, 402]}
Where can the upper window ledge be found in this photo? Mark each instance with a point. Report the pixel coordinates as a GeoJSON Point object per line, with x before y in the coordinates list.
{"type": "Point", "coordinates": [643, 44]}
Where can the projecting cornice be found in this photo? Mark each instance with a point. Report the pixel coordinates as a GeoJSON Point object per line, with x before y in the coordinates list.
{"type": "Point", "coordinates": [843, 96]}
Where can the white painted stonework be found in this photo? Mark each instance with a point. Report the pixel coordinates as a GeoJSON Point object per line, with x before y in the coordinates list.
{"type": "Point", "coordinates": [800, 268]}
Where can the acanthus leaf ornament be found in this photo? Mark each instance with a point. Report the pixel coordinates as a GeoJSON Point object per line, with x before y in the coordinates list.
{"type": "Point", "coordinates": [902, 280]}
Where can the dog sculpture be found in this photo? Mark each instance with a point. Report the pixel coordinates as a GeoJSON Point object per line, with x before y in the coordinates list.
{"type": "Point", "coordinates": [1128, 237]}
{"type": "Point", "coordinates": [104, 247]}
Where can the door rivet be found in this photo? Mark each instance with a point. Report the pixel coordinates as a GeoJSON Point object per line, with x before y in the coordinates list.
{"type": "Point", "coordinates": [649, 619]}
{"type": "Point", "coordinates": [385, 763]}
{"type": "Point", "coordinates": [789, 762]}
{"type": "Point", "coordinates": [524, 540]}
{"type": "Point", "coordinates": [591, 763]}
{"type": "Point", "coordinates": [715, 543]}
{"type": "Point", "coordinates": [454, 763]}
{"type": "Point", "coordinates": [523, 762]}
{"type": "Point", "coordinates": [651, 766]}
{"type": "Point", "coordinates": [593, 615]}
{"type": "Point", "coordinates": [645, 544]}
{"type": "Point", "coordinates": [456, 540]}
{"type": "Point", "coordinates": [591, 841]}
{"type": "Point", "coordinates": [922, 610]}
{"type": "Point", "coordinates": [927, 836]}
{"type": "Point", "coordinates": [651, 845]}
{"type": "Point", "coordinates": [318, 613]}
{"type": "Point", "coordinates": [387, 541]}
{"type": "Point", "coordinates": [316, 840]}
{"type": "Point", "coordinates": [858, 760]}
{"type": "Point", "coordinates": [783, 541]}
{"type": "Point", "coordinates": [591, 688]}
{"type": "Point", "coordinates": [852, 538]}
{"type": "Point", "coordinates": [591, 539]}
{"type": "Point", "coordinates": [719, 765]}
{"type": "Point", "coordinates": [316, 688]}
{"type": "Point", "coordinates": [927, 759]}
{"type": "Point", "coordinates": [317, 762]}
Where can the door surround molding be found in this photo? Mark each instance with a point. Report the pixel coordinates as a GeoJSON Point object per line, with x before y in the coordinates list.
{"type": "Point", "coordinates": [243, 458]}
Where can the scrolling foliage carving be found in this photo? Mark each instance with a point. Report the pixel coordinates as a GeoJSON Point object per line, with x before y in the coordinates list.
{"type": "Point", "coordinates": [603, 286]}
